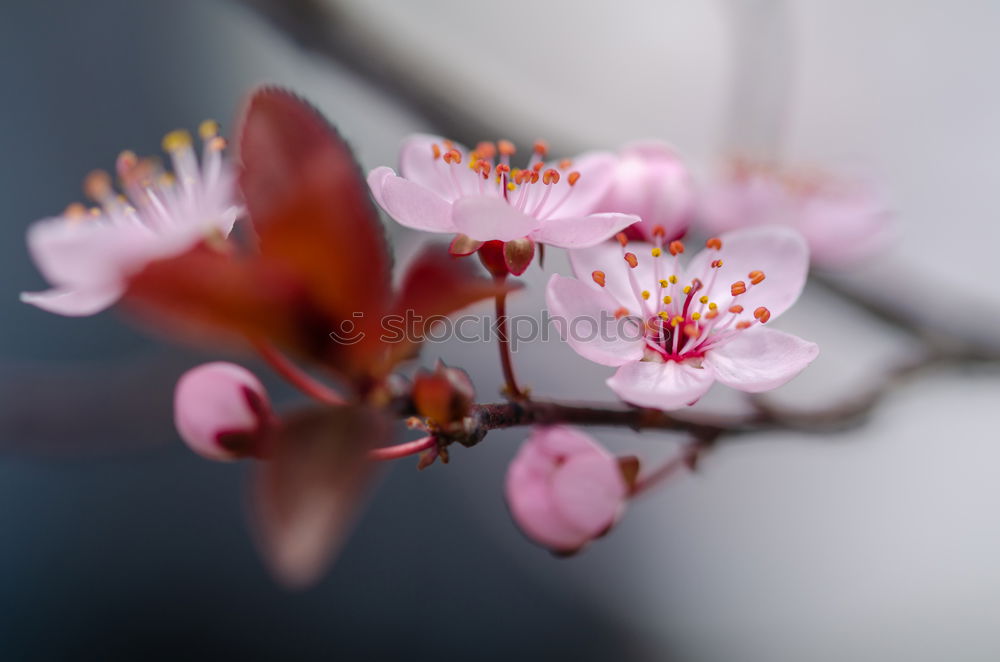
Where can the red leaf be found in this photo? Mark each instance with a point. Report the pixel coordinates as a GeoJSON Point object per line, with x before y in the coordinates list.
{"type": "Point", "coordinates": [307, 493]}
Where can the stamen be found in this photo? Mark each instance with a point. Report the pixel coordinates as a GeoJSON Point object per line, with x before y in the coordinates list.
{"type": "Point", "coordinates": [541, 148]}
{"type": "Point", "coordinates": [551, 177]}
{"type": "Point", "coordinates": [573, 178]}
{"type": "Point", "coordinates": [453, 156]}
{"type": "Point", "coordinates": [738, 288]}
{"type": "Point", "coordinates": [436, 151]}
{"type": "Point", "coordinates": [506, 148]}
{"type": "Point", "coordinates": [756, 277]}
{"type": "Point", "coordinates": [659, 231]}
{"type": "Point", "coordinates": [676, 247]}
{"type": "Point", "coordinates": [656, 251]}
{"type": "Point", "coordinates": [175, 141]}
{"type": "Point", "coordinates": [696, 316]}
{"type": "Point", "coordinates": [208, 129]}
{"type": "Point", "coordinates": [645, 295]}
{"type": "Point", "coordinates": [564, 164]}
{"type": "Point", "coordinates": [621, 312]}
{"type": "Point", "coordinates": [691, 330]}
{"type": "Point", "coordinates": [736, 310]}
{"type": "Point", "coordinates": [668, 299]}
{"type": "Point", "coordinates": [622, 239]}
{"type": "Point", "coordinates": [632, 260]}
{"type": "Point", "coordinates": [664, 284]}
{"type": "Point", "coordinates": [703, 299]}
{"type": "Point", "coordinates": [763, 314]}
{"type": "Point", "coordinates": [714, 243]}
{"type": "Point", "coordinates": [486, 150]}
{"type": "Point", "coordinates": [599, 277]}
{"type": "Point", "coordinates": [744, 325]}
{"type": "Point", "coordinates": [97, 185]}
{"type": "Point", "coordinates": [716, 264]}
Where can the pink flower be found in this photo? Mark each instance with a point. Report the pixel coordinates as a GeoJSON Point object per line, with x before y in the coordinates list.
{"type": "Point", "coordinates": [843, 220]}
{"type": "Point", "coordinates": [672, 330]}
{"type": "Point", "coordinates": [221, 411]}
{"type": "Point", "coordinates": [652, 183]}
{"type": "Point", "coordinates": [563, 489]}
{"type": "Point", "coordinates": [87, 255]}
{"type": "Point", "coordinates": [446, 188]}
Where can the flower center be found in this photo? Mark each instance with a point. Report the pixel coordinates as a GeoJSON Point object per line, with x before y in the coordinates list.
{"type": "Point", "coordinates": [538, 190]}
{"type": "Point", "coordinates": [679, 319]}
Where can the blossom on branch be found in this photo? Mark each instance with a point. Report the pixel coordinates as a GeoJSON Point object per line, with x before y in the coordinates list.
{"type": "Point", "coordinates": [679, 328]}
{"type": "Point", "coordinates": [479, 196]}
{"type": "Point", "coordinates": [88, 254]}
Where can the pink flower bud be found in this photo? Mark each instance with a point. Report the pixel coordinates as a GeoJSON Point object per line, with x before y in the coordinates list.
{"type": "Point", "coordinates": [220, 410]}
{"type": "Point", "coordinates": [563, 489]}
{"type": "Point", "coordinates": [652, 183]}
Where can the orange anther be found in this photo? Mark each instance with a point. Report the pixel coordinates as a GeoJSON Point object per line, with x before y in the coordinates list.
{"type": "Point", "coordinates": [503, 169]}
{"type": "Point", "coordinates": [716, 264]}
{"type": "Point", "coordinates": [506, 148]}
{"type": "Point", "coordinates": [755, 277]}
{"type": "Point", "coordinates": [712, 314]}
{"type": "Point", "coordinates": [739, 287]}
{"type": "Point", "coordinates": [622, 239]}
{"type": "Point", "coordinates": [487, 150]}
{"type": "Point", "coordinates": [676, 247]}
{"type": "Point", "coordinates": [452, 156]}
{"type": "Point", "coordinates": [97, 185]}
{"type": "Point", "coordinates": [538, 166]}
{"type": "Point", "coordinates": [598, 277]}
{"type": "Point", "coordinates": [743, 325]}
{"type": "Point", "coordinates": [659, 231]}
{"type": "Point", "coordinates": [573, 178]}
{"type": "Point", "coordinates": [550, 177]}
{"type": "Point", "coordinates": [534, 177]}
{"type": "Point", "coordinates": [736, 310]}
{"type": "Point", "coordinates": [565, 163]}
{"type": "Point", "coordinates": [620, 313]}
{"type": "Point", "coordinates": [541, 148]}
{"type": "Point", "coordinates": [691, 330]}
{"type": "Point", "coordinates": [632, 260]}
{"type": "Point", "coordinates": [484, 168]}
{"type": "Point", "coordinates": [763, 314]}
{"type": "Point", "coordinates": [714, 243]}
{"type": "Point", "coordinates": [75, 210]}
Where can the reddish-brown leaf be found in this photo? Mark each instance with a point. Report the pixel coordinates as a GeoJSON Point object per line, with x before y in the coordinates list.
{"type": "Point", "coordinates": [307, 493]}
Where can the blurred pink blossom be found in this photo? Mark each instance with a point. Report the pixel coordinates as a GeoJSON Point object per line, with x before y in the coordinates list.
{"type": "Point", "coordinates": [652, 183]}
{"type": "Point", "coordinates": [221, 410]}
{"type": "Point", "coordinates": [564, 489]}
{"type": "Point", "coordinates": [87, 255]}
{"type": "Point", "coordinates": [446, 188]}
{"type": "Point", "coordinates": [674, 329]}
{"type": "Point", "coordinates": [844, 220]}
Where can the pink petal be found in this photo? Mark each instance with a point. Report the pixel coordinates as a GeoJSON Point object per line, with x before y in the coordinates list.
{"type": "Point", "coordinates": [597, 171]}
{"type": "Point", "coordinates": [75, 303]}
{"type": "Point", "coordinates": [760, 359]}
{"type": "Point", "coordinates": [563, 489]}
{"type": "Point", "coordinates": [589, 491]}
{"type": "Point", "coordinates": [376, 179]}
{"type": "Point", "coordinates": [608, 257]}
{"type": "Point", "coordinates": [582, 232]}
{"type": "Point", "coordinates": [586, 311]}
{"type": "Point", "coordinates": [417, 164]}
{"type": "Point", "coordinates": [411, 204]}
{"type": "Point", "coordinates": [215, 399]}
{"type": "Point", "coordinates": [780, 252]}
{"type": "Point", "coordinates": [669, 385]}
{"type": "Point", "coordinates": [651, 182]}
{"type": "Point", "coordinates": [487, 218]}
{"type": "Point", "coordinates": [843, 227]}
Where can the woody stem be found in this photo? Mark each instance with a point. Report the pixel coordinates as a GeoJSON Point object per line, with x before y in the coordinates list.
{"type": "Point", "coordinates": [296, 377]}
{"type": "Point", "coordinates": [503, 342]}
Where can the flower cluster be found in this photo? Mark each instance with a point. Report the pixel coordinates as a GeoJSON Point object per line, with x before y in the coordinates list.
{"type": "Point", "coordinates": [316, 265]}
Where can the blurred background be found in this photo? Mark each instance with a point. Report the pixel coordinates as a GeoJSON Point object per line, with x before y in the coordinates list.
{"type": "Point", "coordinates": [882, 543]}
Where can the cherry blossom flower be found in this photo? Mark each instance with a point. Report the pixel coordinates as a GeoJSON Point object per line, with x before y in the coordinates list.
{"type": "Point", "coordinates": [843, 219]}
{"type": "Point", "coordinates": [564, 489]}
{"type": "Point", "coordinates": [676, 329]}
{"type": "Point", "coordinates": [652, 183]}
{"type": "Point", "coordinates": [477, 195]}
{"type": "Point", "coordinates": [221, 410]}
{"type": "Point", "coordinates": [87, 255]}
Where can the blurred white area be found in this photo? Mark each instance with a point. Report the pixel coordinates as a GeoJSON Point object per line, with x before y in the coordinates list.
{"type": "Point", "coordinates": [881, 544]}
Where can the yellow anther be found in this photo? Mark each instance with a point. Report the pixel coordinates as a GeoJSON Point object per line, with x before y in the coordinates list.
{"type": "Point", "coordinates": [696, 316]}
{"type": "Point", "coordinates": [668, 299]}
{"type": "Point", "coordinates": [657, 252]}
{"type": "Point", "coordinates": [673, 279]}
{"type": "Point", "coordinates": [645, 294]}
{"type": "Point", "coordinates": [676, 320]}
{"type": "Point", "coordinates": [703, 299]}
{"type": "Point", "coordinates": [208, 130]}
{"type": "Point", "coordinates": [687, 289]}
{"type": "Point", "coordinates": [663, 315]}
{"type": "Point", "coordinates": [663, 282]}
{"type": "Point", "coordinates": [713, 306]}
{"type": "Point", "coordinates": [511, 186]}
{"type": "Point", "coordinates": [176, 141]}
